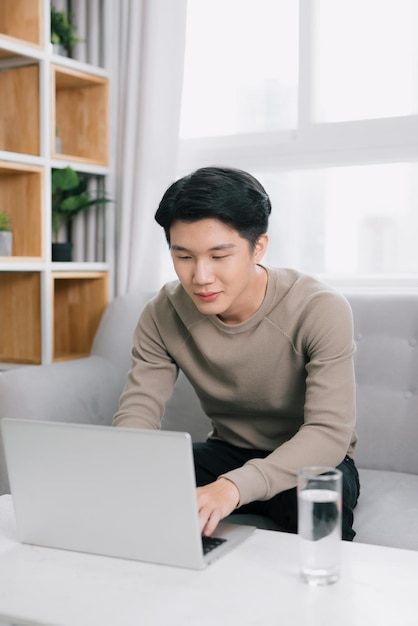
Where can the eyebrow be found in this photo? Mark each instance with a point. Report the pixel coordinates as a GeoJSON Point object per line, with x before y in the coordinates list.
{"type": "Point", "coordinates": [222, 246]}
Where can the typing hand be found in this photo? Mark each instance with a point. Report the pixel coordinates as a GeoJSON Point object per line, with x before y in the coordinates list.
{"type": "Point", "coordinates": [215, 501]}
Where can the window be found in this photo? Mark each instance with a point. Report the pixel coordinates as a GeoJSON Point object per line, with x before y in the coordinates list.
{"type": "Point", "coordinates": [319, 100]}
{"type": "Point", "coordinates": [241, 67]}
{"type": "Point", "coordinates": [345, 220]}
{"type": "Point", "coordinates": [366, 59]}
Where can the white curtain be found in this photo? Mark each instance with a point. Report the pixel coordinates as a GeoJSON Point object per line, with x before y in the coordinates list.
{"type": "Point", "coordinates": [141, 43]}
{"type": "Point", "coordinates": [147, 47]}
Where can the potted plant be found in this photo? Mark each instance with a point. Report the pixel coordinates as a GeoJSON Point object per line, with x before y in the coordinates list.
{"type": "Point", "coordinates": [5, 234]}
{"type": "Point", "coordinates": [63, 31]}
{"type": "Point", "coordinates": [70, 196]}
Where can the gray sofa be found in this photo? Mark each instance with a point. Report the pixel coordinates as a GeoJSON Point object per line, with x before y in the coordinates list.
{"type": "Point", "coordinates": [386, 331]}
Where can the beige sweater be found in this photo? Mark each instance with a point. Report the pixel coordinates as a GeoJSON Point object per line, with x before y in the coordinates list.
{"type": "Point", "coordinates": [281, 381]}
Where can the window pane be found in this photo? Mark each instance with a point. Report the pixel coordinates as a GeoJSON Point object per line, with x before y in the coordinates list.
{"type": "Point", "coordinates": [241, 67]}
{"type": "Point", "coordinates": [366, 59]}
{"type": "Point", "coordinates": [345, 220]}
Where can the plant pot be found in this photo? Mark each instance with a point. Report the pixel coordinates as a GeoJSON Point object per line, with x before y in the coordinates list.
{"type": "Point", "coordinates": [62, 251]}
{"type": "Point", "coordinates": [6, 237]}
{"type": "Point", "coordinates": [58, 48]}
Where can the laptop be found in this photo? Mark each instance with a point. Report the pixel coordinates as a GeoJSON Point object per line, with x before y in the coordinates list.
{"type": "Point", "coordinates": [119, 492]}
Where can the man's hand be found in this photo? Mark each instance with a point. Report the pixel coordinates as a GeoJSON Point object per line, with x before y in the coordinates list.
{"type": "Point", "coordinates": [215, 501]}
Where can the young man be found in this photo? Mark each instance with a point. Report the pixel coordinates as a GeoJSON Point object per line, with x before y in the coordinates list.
{"type": "Point", "coordinates": [268, 351]}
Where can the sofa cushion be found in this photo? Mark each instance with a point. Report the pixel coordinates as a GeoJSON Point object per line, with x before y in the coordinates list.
{"type": "Point", "coordinates": [387, 511]}
{"type": "Point", "coordinates": [114, 337]}
{"type": "Point", "coordinates": [386, 366]}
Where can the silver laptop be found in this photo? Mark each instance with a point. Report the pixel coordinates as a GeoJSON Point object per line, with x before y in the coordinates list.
{"type": "Point", "coordinates": [119, 492]}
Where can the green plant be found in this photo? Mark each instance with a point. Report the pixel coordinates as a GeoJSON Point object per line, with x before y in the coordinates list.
{"type": "Point", "coordinates": [63, 29]}
{"type": "Point", "coordinates": [70, 195]}
{"type": "Point", "coordinates": [5, 221]}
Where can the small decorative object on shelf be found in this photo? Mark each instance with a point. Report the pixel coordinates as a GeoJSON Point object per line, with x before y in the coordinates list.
{"type": "Point", "coordinates": [5, 234]}
{"type": "Point", "coordinates": [63, 30]}
{"type": "Point", "coordinates": [58, 145]}
{"type": "Point", "coordinates": [70, 196]}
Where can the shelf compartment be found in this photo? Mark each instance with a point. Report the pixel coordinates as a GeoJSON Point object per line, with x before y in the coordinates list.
{"type": "Point", "coordinates": [19, 120]}
{"type": "Point", "coordinates": [79, 300]}
{"type": "Point", "coordinates": [20, 317]}
{"type": "Point", "coordinates": [80, 116]}
{"type": "Point", "coordinates": [21, 193]}
{"type": "Point", "coordinates": [22, 19]}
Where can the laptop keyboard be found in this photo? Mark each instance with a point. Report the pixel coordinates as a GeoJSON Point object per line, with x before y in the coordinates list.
{"type": "Point", "coordinates": [209, 543]}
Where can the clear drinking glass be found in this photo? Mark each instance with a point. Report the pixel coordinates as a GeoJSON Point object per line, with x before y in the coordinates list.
{"type": "Point", "coordinates": [319, 524]}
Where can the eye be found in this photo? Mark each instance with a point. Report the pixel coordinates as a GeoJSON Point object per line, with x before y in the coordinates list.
{"type": "Point", "coordinates": [219, 257]}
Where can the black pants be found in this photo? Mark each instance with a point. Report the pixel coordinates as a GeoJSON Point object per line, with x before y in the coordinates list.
{"type": "Point", "coordinates": [213, 458]}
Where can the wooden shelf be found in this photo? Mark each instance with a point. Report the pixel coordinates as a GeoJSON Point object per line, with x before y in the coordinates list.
{"type": "Point", "coordinates": [20, 317]}
{"type": "Point", "coordinates": [49, 311]}
{"type": "Point", "coordinates": [80, 116]}
{"type": "Point", "coordinates": [19, 114]}
{"type": "Point", "coordinates": [21, 196]}
{"type": "Point", "coordinates": [22, 20]}
{"type": "Point", "coordinates": [79, 300]}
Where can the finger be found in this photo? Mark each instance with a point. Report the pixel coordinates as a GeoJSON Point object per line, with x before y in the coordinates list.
{"type": "Point", "coordinates": [208, 520]}
{"type": "Point", "coordinates": [204, 514]}
{"type": "Point", "coordinates": [211, 524]}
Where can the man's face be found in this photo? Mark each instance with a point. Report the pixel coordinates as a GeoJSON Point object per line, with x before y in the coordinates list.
{"type": "Point", "coordinates": [218, 269]}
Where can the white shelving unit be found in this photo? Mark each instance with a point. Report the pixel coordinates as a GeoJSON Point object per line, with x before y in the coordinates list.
{"type": "Point", "coordinates": [48, 311]}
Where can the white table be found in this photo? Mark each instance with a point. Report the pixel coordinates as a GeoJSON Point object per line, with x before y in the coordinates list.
{"type": "Point", "coordinates": [256, 584]}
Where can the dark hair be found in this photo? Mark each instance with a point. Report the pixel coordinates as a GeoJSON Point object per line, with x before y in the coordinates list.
{"type": "Point", "coordinates": [229, 195]}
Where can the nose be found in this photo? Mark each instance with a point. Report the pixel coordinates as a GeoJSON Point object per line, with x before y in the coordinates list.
{"type": "Point", "coordinates": [203, 273]}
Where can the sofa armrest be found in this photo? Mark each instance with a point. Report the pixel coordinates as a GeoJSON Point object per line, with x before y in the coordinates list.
{"type": "Point", "coordinates": [84, 390]}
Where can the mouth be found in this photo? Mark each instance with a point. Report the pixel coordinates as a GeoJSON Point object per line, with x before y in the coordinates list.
{"type": "Point", "coordinates": [208, 296]}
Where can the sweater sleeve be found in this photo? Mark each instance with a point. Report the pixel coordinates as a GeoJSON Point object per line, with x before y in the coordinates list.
{"type": "Point", "coordinates": [150, 380]}
{"type": "Point", "coordinates": [327, 432]}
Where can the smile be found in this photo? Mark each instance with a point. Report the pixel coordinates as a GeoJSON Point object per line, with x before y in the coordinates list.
{"type": "Point", "coordinates": [208, 297]}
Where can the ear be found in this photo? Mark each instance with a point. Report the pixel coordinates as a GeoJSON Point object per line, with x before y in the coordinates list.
{"type": "Point", "coordinates": [260, 247]}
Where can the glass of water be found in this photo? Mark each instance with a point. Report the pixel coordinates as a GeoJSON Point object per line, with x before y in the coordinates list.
{"type": "Point", "coordinates": [319, 524]}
